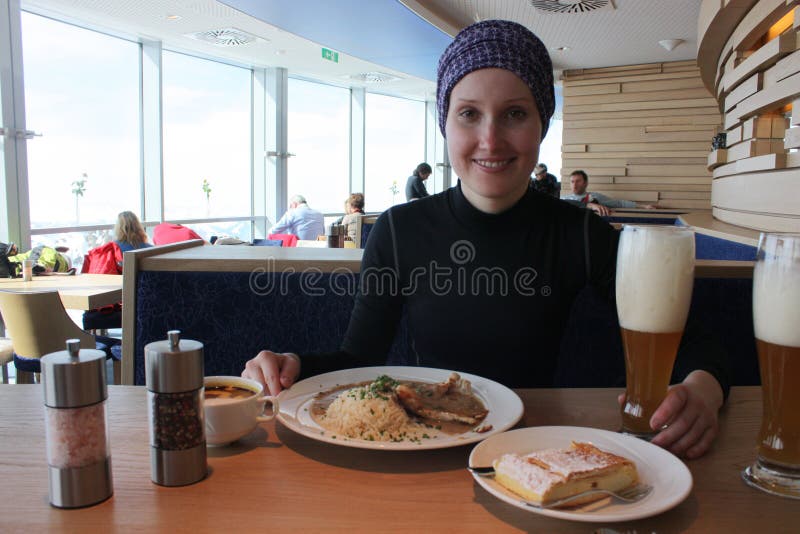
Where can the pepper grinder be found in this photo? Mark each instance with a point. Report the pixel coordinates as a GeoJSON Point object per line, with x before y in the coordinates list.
{"type": "Point", "coordinates": [78, 451]}
{"type": "Point", "coordinates": [174, 378]}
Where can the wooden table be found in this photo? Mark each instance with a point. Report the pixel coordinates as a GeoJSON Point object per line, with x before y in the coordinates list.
{"type": "Point", "coordinates": [78, 292]}
{"type": "Point", "coordinates": [276, 480]}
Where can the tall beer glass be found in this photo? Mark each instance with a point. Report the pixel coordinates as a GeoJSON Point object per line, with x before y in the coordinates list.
{"type": "Point", "coordinates": [655, 275]}
{"type": "Point", "coordinates": [776, 320]}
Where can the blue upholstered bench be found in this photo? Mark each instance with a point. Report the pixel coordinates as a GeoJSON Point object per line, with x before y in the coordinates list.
{"type": "Point", "coordinates": [235, 316]}
{"type": "Point", "coordinates": [297, 312]}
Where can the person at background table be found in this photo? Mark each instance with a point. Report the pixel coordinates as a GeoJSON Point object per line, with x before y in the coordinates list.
{"type": "Point", "coordinates": [354, 209]}
{"type": "Point", "coordinates": [415, 186]}
{"type": "Point", "coordinates": [544, 182]}
{"type": "Point", "coordinates": [129, 233]}
{"type": "Point", "coordinates": [598, 202]}
{"type": "Point", "coordinates": [300, 220]}
{"type": "Point", "coordinates": [495, 98]}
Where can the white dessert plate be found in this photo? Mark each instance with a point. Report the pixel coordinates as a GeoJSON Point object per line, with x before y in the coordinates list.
{"type": "Point", "coordinates": [505, 406]}
{"type": "Point", "coordinates": [670, 478]}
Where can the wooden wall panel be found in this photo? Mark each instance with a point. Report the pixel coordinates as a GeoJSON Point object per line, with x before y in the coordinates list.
{"type": "Point", "coordinates": [777, 192]}
{"type": "Point", "coordinates": [758, 221]}
{"type": "Point", "coordinates": [756, 80]}
{"type": "Point", "coordinates": [644, 132]}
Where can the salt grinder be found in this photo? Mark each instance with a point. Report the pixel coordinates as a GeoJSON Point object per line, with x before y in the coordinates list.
{"type": "Point", "coordinates": [78, 451]}
{"type": "Point", "coordinates": [174, 377]}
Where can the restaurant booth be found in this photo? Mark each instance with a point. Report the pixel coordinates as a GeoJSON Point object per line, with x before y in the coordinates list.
{"type": "Point", "coordinates": [238, 300]}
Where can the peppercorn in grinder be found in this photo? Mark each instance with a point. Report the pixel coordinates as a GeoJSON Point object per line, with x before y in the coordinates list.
{"type": "Point", "coordinates": [174, 378]}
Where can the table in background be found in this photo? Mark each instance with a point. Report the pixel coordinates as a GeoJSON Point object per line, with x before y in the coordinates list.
{"type": "Point", "coordinates": [78, 292]}
{"type": "Point", "coordinates": [280, 481]}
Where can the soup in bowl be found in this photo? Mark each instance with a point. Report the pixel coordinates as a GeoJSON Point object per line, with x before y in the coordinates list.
{"type": "Point", "coordinates": [233, 408]}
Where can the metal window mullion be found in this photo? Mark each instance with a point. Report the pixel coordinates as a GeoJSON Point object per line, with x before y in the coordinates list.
{"type": "Point", "coordinates": [151, 131]}
{"type": "Point", "coordinates": [259, 118]}
{"type": "Point", "coordinates": [276, 141]}
{"type": "Point", "coordinates": [15, 211]}
{"type": "Point", "coordinates": [357, 139]}
{"type": "Point", "coordinates": [430, 146]}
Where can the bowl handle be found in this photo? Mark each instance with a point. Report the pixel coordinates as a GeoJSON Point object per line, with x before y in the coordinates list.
{"type": "Point", "coordinates": [275, 407]}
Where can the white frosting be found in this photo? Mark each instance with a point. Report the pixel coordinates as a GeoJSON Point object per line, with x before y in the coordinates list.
{"type": "Point", "coordinates": [776, 298]}
{"type": "Point", "coordinates": [530, 476]}
{"type": "Point", "coordinates": [655, 275]}
{"type": "Point", "coordinates": [561, 466]}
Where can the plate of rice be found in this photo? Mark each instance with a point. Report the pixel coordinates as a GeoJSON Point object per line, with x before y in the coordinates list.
{"type": "Point", "coordinates": [357, 408]}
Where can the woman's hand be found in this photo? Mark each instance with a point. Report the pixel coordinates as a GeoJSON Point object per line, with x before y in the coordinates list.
{"type": "Point", "coordinates": [689, 412]}
{"type": "Point", "coordinates": [273, 371]}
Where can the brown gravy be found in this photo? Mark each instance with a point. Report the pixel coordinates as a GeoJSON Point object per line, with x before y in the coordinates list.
{"type": "Point", "coordinates": [228, 392]}
{"type": "Point", "coordinates": [323, 399]}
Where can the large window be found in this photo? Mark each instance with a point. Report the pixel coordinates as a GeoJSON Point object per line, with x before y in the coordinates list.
{"type": "Point", "coordinates": [394, 146]}
{"type": "Point", "coordinates": [82, 95]}
{"type": "Point", "coordinates": [319, 138]}
{"type": "Point", "coordinates": [206, 138]}
{"type": "Point", "coordinates": [550, 149]}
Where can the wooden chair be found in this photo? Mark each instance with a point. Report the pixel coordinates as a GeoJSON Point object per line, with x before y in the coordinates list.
{"type": "Point", "coordinates": [6, 356]}
{"type": "Point", "coordinates": [38, 325]}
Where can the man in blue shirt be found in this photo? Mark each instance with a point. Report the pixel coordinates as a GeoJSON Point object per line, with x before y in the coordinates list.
{"type": "Point", "coordinates": [300, 220]}
{"type": "Point", "coordinates": [598, 202]}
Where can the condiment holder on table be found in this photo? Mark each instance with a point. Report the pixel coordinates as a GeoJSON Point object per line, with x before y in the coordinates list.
{"type": "Point", "coordinates": [76, 423]}
{"type": "Point", "coordinates": [174, 379]}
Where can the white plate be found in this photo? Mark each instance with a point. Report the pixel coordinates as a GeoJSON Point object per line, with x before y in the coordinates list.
{"type": "Point", "coordinates": [505, 406]}
{"type": "Point", "coordinates": [670, 478]}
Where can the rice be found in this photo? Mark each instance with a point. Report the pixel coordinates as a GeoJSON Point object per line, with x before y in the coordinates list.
{"type": "Point", "coordinates": [371, 413]}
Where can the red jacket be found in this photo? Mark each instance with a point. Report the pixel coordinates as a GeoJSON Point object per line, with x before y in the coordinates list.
{"type": "Point", "coordinates": [105, 259]}
{"type": "Point", "coordinates": [166, 233]}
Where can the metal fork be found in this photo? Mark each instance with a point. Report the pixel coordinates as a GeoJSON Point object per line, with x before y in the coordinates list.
{"type": "Point", "coordinates": [631, 494]}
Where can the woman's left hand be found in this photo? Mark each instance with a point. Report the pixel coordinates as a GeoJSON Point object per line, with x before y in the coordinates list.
{"type": "Point", "coordinates": [689, 413]}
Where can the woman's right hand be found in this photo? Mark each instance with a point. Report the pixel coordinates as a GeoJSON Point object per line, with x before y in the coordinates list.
{"type": "Point", "coordinates": [272, 370]}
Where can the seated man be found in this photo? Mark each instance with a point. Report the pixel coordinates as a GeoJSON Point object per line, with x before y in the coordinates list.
{"type": "Point", "coordinates": [544, 182]}
{"type": "Point", "coordinates": [598, 202]}
{"type": "Point", "coordinates": [300, 220]}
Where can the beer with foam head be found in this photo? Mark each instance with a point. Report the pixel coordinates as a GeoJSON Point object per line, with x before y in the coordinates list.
{"type": "Point", "coordinates": [655, 275]}
{"type": "Point", "coordinates": [776, 321]}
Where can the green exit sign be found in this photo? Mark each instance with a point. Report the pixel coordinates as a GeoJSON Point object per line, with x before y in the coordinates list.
{"type": "Point", "coordinates": [330, 55]}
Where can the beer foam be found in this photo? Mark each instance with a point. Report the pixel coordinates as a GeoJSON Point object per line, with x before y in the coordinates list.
{"type": "Point", "coordinates": [655, 275]}
{"type": "Point", "coordinates": [776, 301]}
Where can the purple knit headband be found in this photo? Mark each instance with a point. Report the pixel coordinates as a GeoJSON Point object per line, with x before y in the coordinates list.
{"type": "Point", "coordinates": [498, 44]}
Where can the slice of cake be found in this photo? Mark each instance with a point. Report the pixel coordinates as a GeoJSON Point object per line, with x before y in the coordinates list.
{"type": "Point", "coordinates": [552, 474]}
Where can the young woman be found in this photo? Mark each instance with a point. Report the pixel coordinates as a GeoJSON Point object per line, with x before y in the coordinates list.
{"type": "Point", "coordinates": [129, 233]}
{"type": "Point", "coordinates": [495, 99]}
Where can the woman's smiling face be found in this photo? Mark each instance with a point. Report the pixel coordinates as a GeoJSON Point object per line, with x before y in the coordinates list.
{"type": "Point", "coordinates": [493, 133]}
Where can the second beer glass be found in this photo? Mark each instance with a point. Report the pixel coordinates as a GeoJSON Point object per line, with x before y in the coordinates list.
{"type": "Point", "coordinates": [776, 320]}
{"type": "Point", "coordinates": [655, 275]}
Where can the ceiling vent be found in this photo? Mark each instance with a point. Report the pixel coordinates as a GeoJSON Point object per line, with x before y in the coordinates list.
{"type": "Point", "coordinates": [374, 77]}
{"type": "Point", "coordinates": [571, 6]}
{"type": "Point", "coordinates": [224, 37]}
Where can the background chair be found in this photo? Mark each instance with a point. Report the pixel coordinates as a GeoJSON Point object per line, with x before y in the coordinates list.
{"type": "Point", "coordinates": [105, 259]}
{"type": "Point", "coordinates": [267, 243]}
{"type": "Point", "coordinates": [39, 325]}
{"type": "Point", "coordinates": [289, 240]}
{"type": "Point", "coordinates": [6, 356]}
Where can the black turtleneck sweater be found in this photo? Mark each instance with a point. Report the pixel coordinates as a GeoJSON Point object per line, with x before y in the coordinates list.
{"type": "Point", "coordinates": [487, 294]}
